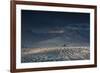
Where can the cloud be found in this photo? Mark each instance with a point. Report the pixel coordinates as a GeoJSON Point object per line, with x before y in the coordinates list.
{"type": "Point", "coordinates": [77, 28]}
{"type": "Point", "coordinates": [48, 31]}
{"type": "Point", "coordinates": [56, 31]}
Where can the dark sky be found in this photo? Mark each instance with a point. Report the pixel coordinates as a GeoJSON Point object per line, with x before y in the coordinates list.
{"type": "Point", "coordinates": [51, 29]}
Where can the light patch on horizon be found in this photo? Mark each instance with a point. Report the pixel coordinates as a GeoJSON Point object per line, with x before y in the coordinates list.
{"type": "Point", "coordinates": [56, 31]}
{"type": "Point", "coordinates": [49, 31]}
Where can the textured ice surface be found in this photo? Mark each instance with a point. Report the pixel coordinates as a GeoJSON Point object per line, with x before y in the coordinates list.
{"type": "Point", "coordinates": [55, 54]}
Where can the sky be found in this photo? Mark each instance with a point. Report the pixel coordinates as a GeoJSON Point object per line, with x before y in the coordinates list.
{"type": "Point", "coordinates": [45, 29]}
